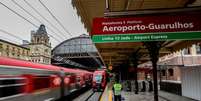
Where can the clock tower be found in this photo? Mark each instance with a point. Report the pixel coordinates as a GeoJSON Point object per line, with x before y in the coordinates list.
{"type": "Point", "coordinates": [40, 47]}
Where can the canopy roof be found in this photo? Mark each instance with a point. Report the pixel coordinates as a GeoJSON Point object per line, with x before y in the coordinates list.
{"type": "Point", "coordinates": [89, 9]}
{"type": "Point", "coordinates": [118, 53]}
{"type": "Point", "coordinates": [80, 50]}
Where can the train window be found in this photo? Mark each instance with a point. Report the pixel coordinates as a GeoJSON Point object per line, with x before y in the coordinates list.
{"type": "Point", "coordinates": [98, 78]}
{"type": "Point", "coordinates": [78, 79]}
{"type": "Point", "coordinates": [11, 86]}
{"type": "Point", "coordinates": [39, 82]}
{"type": "Point", "coordinates": [72, 79]}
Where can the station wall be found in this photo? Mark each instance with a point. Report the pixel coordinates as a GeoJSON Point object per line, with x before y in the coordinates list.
{"type": "Point", "coordinates": [191, 81]}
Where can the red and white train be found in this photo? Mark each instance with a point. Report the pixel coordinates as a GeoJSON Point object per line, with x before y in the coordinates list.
{"type": "Point", "coordinates": [27, 81]}
{"type": "Point", "coordinates": [99, 80]}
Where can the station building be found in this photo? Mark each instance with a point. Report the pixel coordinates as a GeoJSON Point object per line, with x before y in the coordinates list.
{"type": "Point", "coordinates": [172, 64]}
{"type": "Point", "coordinates": [38, 50]}
{"type": "Point", "coordinates": [40, 47]}
{"type": "Point", "coordinates": [12, 50]}
{"type": "Point", "coordinates": [182, 69]}
{"type": "Point", "coordinates": [119, 46]}
{"type": "Point", "coordinates": [77, 52]}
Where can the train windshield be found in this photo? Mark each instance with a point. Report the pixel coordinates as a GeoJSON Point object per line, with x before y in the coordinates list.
{"type": "Point", "coordinates": [98, 78]}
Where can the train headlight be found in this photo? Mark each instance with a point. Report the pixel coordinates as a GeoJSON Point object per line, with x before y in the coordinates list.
{"type": "Point", "coordinates": [67, 80]}
{"type": "Point", "coordinates": [57, 81]}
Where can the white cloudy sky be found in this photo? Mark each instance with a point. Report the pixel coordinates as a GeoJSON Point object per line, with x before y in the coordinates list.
{"type": "Point", "coordinates": [15, 25]}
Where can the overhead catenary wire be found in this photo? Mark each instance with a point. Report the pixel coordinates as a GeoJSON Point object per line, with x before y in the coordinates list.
{"type": "Point", "coordinates": [64, 27]}
{"type": "Point", "coordinates": [54, 17]}
{"type": "Point", "coordinates": [73, 12]}
{"type": "Point", "coordinates": [25, 19]}
{"type": "Point", "coordinates": [10, 34]}
{"type": "Point", "coordinates": [71, 35]}
{"type": "Point", "coordinates": [90, 53]}
{"type": "Point", "coordinates": [4, 38]}
{"type": "Point", "coordinates": [3, 31]}
{"type": "Point", "coordinates": [34, 17]}
{"type": "Point", "coordinates": [18, 14]}
{"type": "Point", "coordinates": [52, 25]}
{"type": "Point", "coordinates": [68, 31]}
{"type": "Point", "coordinates": [31, 24]}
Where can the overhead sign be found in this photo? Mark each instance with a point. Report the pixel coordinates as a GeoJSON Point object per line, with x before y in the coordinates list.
{"type": "Point", "coordinates": [146, 24]}
{"type": "Point", "coordinates": [147, 37]}
{"type": "Point", "coordinates": [148, 28]}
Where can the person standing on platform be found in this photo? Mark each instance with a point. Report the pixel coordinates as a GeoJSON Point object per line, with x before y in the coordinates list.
{"type": "Point", "coordinates": [143, 86]}
{"type": "Point", "coordinates": [117, 87]}
{"type": "Point", "coordinates": [150, 86]}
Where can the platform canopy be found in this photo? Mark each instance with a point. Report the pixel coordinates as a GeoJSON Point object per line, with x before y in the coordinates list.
{"type": "Point", "coordinates": [115, 51]}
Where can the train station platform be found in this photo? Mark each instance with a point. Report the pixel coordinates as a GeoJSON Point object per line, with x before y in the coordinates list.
{"type": "Point", "coordinates": [142, 96]}
{"type": "Point", "coordinates": [107, 94]}
{"type": "Point", "coordinates": [173, 97]}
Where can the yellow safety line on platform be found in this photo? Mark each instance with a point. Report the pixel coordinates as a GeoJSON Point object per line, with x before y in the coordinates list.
{"type": "Point", "coordinates": [110, 96]}
{"type": "Point", "coordinates": [107, 94]}
{"type": "Point", "coordinates": [103, 95]}
{"type": "Point", "coordinates": [101, 99]}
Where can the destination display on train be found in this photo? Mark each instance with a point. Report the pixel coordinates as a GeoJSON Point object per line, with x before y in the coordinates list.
{"type": "Point", "coordinates": [147, 28]}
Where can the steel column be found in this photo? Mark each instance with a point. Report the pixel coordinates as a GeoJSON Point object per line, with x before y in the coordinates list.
{"type": "Point", "coordinates": [153, 48]}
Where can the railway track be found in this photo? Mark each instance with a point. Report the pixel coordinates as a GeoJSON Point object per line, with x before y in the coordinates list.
{"type": "Point", "coordinates": [95, 96]}
{"type": "Point", "coordinates": [89, 95]}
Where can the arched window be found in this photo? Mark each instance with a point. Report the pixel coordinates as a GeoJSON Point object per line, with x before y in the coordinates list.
{"type": "Point", "coordinates": [37, 40]}
{"type": "Point", "coordinates": [46, 51]}
{"type": "Point", "coordinates": [170, 72]}
{"type": "Point", "coordinates": [187, 51]}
